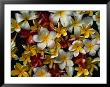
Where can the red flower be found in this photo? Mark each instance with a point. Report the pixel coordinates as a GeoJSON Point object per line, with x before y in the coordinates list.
{"type": "Point", "coordinates": [45, 21]}
{"type": "Point", "coordinates": [81, 60]}
{"type": "Point", "coordinates": [24, 33]}
{"type": "Point", "coordinates": [36, 60]}
{"type": "Point", "coordinates": [55, 71]}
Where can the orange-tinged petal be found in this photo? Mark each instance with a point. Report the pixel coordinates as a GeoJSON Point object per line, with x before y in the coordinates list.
{"type": "Point", "coordinates": [15, 72]}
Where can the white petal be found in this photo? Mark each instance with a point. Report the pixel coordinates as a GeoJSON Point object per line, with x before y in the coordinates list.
{"type": "Point", "coordinates": [70, 29]}
{"type": "Point", "coordinates": [76, 54]}
{"type": "Point", "coordinates": [19, 17]}
{"type": "Point", "coordinates": [69, 13]}
{"type": "Point", "coordinates": [71, 48]}
{"type": "Point", "coordinates": [62, 65]}
{"type": "Point", "coordinates": [51, 43]}
{"type": "Point", "coordinates": [70, 55]}
{"type": "Point", "coordinates": [86, 49]}
{"type": "Point", "coordinates": [96, 47]}
{"type": "Point", "coordinates": [32, 16]}
{"type": "Point", "coordinates": [52, 35]}
{"type": "Point", "coordinates": [66, 20]}
{"type": "Point", "coordinates": [61, 51]}
{"type": "Point", "coordinates": [69, 70]}
{"type": "Point", "coordinates": [92, 53]}
{"type": "Point", "coordinates": [17, 30]}
{"type": "Point", "coordinates": [26, 12]}
{"type": "Point", "coordinates": [44, 31]}
{"type": "Point", "coordinates": [83, 51]}
{"type": "Point", "coordinates": [69, 63]}
{"type": "Point", "coordinates": [55, 18]}
{"type": "Point", "coordinates": [41, 45]}
{"type": "Point", "coordinates": [25, 25]}
{"type": "Point", "coordinates": [36, 38]}
{"type": "Point", "coordinates": [87, 21]}
{"type": "Point", "coordinates": [77, 31]}
{"type": "Point", "coordinates": [96, 59]}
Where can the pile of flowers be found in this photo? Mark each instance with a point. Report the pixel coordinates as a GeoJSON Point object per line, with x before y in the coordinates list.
{"type": "Point", "coordinates": [55, 43]}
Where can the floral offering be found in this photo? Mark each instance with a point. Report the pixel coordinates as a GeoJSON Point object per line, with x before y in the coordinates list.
{"type": "Point", "coordinates": [55, 43]}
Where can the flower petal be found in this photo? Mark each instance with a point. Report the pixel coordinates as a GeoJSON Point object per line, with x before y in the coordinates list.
{"type": "Point", "coordinates": [83, 51]}
{"type": "Point", "coordinates": [36, 38]}
{"type": "Point", "coordinates": [76, 53]}
{"type": "Point", "coordinates": [62, 65]}
{"type": "Point", "coordinates": [25, 25]}
{"type": "Point", "coordinates": [69, 71]}
{"type": "Point", "coordinates": [41, 45]}
{"type": "Point", "coordinates": [55, 18]}
{"type": "Point", "coordinates": [77, 31]}
{"type": "Point", "coordinates": [69, 63]}
{"type": "Point", "coordinates": [96, 47]}
{"type": "Point", "coordinates": [15, 72]}
{"type": "Point", "coordinates": [52, 35]}
{"type": "Point", "coordinates": [43, 31]}
{"type": "Point", "coordinates": [32, 16]}
{"type": "Point", "coordinates": [92, 53]}
{"type": "Point", "coordinates": [51, 43]}
{"type": "Point", "coordinates": [18, 17]}
{"type": "Point", "coordinates": [87, 21]}
{"type": "Point", "coordinates": [66, 20]}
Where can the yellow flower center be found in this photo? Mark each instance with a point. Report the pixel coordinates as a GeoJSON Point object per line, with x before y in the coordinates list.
{"type": "Point", "coordinates": [77, 46]}
{"type": "Point", "coordinates": [26, 18]}
{"type": "Point", "coordinates": [64, 58]}
{"type": "Point", "coordinates": [45, 38]}
{"type": "Point", "coordinates": [90, 46]}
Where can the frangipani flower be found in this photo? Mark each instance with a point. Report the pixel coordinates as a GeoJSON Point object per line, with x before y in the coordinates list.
{"type": "Point", "coordinates": [24, 17]}
{"type": "Point", "coordinates": [81, 71]}
{"type": "Point", "coordinates": [64, 60]}
{"type": "Point", "coordinates": [91, 46]}
{"type": "Point", "coordinates": [45, 38]}
{"type": "Point", "coordinates": [48, 60]}
{"type": "Point", "coordinates": [20, 70]}
{"type": "Point", "coordinates": [91, 64]}
{"type": "Point", "coordinates": [87, 31]}
{"type": "Point", "coordinates": [63, 16]}
{"type": "Point", "coordinates": [41, 72]}
{"type": "Point", "coordinates": [60, 30]}
{"type": "Point", "coordinates": [75, 23]}
{"type": "Point", "coordinates": [15, 26]}
{"type": "Point", "coordinates": [77, 47]}
{"type": "Point", "coordinates": [25, 58]}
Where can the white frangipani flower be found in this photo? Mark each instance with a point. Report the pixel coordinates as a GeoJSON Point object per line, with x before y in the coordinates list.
{"type": "Point", "coordinates": [45, 38]}
{"type": "Point", "coordinates": [63, 16]}
{"type": "Point", "coordinates": [65, 62]}
{"type": "Point", "coordinates": [77, 47]}
{"type": "Point", "coordinates": [41, 72]}
{"type": "Point", "coordinates": [24, 17]}
{"type": "Point", "coordinates": [91, 46]}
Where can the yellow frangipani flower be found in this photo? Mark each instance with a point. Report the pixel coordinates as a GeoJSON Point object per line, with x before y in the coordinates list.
{"type": "Point", "coordinates": [32, 50]}
{"type": "Point", "coordinates": [36, 26]}
{"type": "Point", "coordinates": [20, 70]}
{"type": "Point", "coordinates": [87, 31]}
{"type": "Point", "coordinates": [60, 30]}
{"type": "Point", "coordinates": [82, 71]}
{"type": "Point", "coordinates": [49, 61]}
